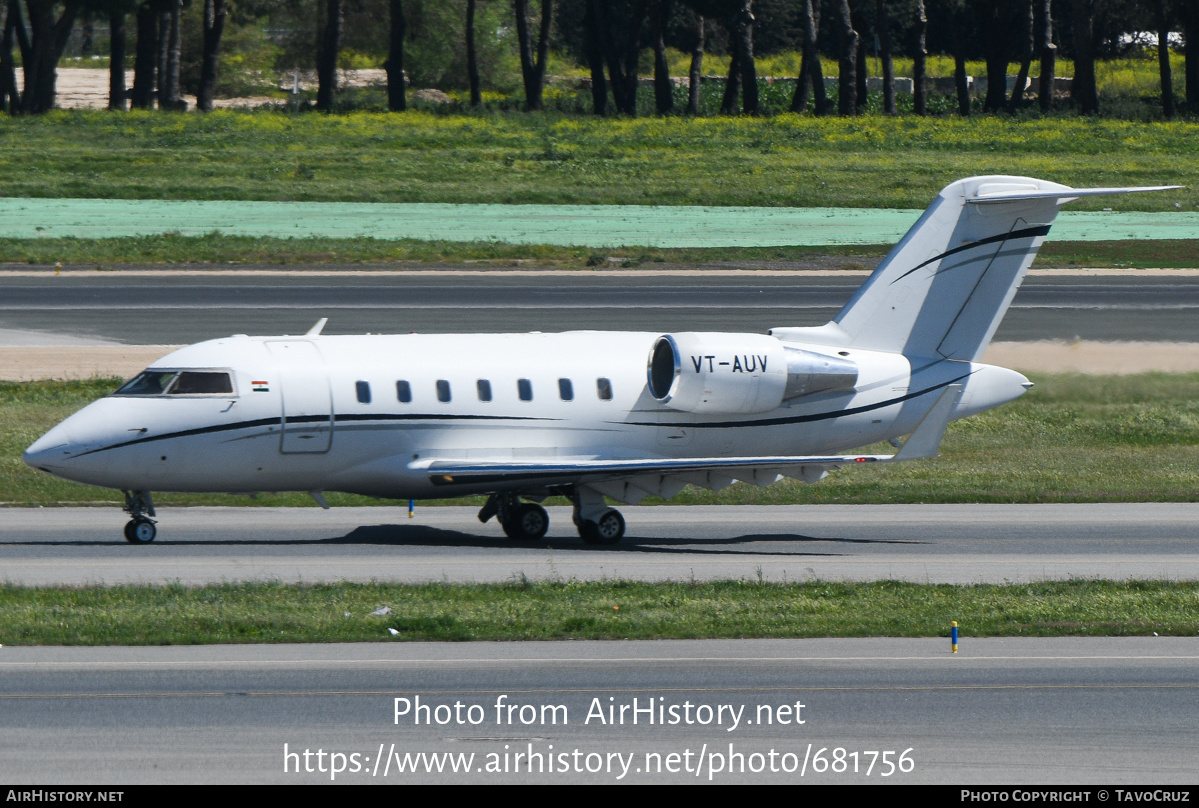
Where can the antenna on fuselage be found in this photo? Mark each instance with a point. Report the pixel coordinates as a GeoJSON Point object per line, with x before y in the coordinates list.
{"type": "Point", "coordinates": [316, 329]}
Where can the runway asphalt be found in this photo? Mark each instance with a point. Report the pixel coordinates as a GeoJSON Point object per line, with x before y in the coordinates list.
{"type": "Point", "coordinates": [1090, 711]}
{"type": "Point", "coordinates": [919, 543]}
{"type": "Point", "coordinates": [172, 308]}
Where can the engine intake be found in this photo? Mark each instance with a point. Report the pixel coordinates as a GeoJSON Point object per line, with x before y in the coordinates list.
{"type": "Point", "coordinates": [739, 373]}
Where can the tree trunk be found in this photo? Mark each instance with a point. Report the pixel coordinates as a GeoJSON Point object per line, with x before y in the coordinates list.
{"type": "Point", "coordinates": [749, 72]}
{"type": "Point", "coordinates": [621, 54]}
{"type": "Point", "coordinates": [214, 26]}
{"type": "Point", "coordinates": [847, 103]}
{"type": "Point", "coordinates": [10, 97]}
{"type": "Point", "coordinates": [595, 61]}
{"type": "Point", "coordinates": [920, 62]}
{"type": "Point", "coordinates": [1190, 31]}
{"type": "Point", "coordinates": [695, 75]}
{"type": "Point", "coordinates": [117, 96]}
{"type": "Point", "coordinates": [959, 66]}
{"type": "Point", "coordinates": [803, 82]}
{"type": "Point", "coordinates": [996, 39]}
{"type": "Point", "coordinates": [533, 69]}
{"type": "Point", "coordinates": [811, 74]}
{"type": "Point", "coordinates": [1030, 47]}
{"type": "Point", "coordinates": [1083, 89]}
{"type": "Point", "coordinates": [472, 61]}
{"type": "Point", "coordinates": [397, 90]}
{"type": "Point", "coordinates": [1163, 59]}
{"type": "Point", "coordinates": [732, 85]}
{"type": "Point", "coordinates": [863, 68]}
{"type": "Point", "coordinates": [326, 62]}
{"type": "Point", "coordinates": [162, 57]}
{"type": "Point", "coordinates": [48, 39]}
{"type": "Point", "coordinates": [1048, 55]}
{"type": "Point", "coordinates": [145, 61]}
{"type": "Point", "coordinates": [663, 88]}
{"type": "Point", "coordinates": [174, 56]}
{"type": "Point", "coordinates": [883, 23]}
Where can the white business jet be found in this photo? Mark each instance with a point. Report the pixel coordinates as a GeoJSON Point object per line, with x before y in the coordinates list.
{"type": "Point", "coordinates": [587, 415]}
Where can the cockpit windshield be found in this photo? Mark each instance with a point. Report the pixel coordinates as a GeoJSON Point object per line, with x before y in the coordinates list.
{"type": "Point", "coordinates": [179, 383]}
{"type": "Point", "coordinates": [148, 383]}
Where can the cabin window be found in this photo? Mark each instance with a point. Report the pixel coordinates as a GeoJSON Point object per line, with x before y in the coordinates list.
{"type": "Point", "coordinates": [566, 390]}
{"type": "Point", "coordinates": [404, 392]}
{"type": "Point", "coordinates": [524, 388]}
{"type": "Point", "coordinates": [603, 388]}
{"type": "Point", "coordinates": [443, 391]}
{"type": "Point", "coordinates": [364, 392]}
{"type": "Point", "coordinates": [484, 390]}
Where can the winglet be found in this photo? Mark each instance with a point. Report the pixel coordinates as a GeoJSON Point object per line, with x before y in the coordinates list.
{"type": "Point", "coordinates": [925, 440]}
{"type": "Point", "coordinates": [316, 329]}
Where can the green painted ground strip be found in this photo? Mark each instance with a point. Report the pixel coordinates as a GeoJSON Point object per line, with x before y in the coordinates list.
{"type": "Point", "coordinates": [564, 225]}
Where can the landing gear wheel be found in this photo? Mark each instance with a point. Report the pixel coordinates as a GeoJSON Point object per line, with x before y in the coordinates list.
{"type": "Point", "coordinates": [140, 531]}
{"type": "Point", "coordinates": [608, 529]}
{"type": "Point", "coordinates": [527, 522]}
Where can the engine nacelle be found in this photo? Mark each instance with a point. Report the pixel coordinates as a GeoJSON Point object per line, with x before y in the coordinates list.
{"type": "Point", "coordinates": [739, 373]}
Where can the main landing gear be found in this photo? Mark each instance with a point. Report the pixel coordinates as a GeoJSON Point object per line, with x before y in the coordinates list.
{"type": "Point", "coordinates": [528, 521]}
{"type": "Point", "coordinates": [521, 521]}
{"type": "Point", "coordinates": [597, 523]}
{"type": "Point", "coordinates": [607, 529]}
{"type": "Point", "coordinates": [140, 529]}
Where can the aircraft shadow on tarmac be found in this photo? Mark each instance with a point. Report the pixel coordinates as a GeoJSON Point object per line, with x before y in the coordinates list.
{"type": "Point", "coordinates": [407, 535]}
{"type": "Point", "coordinates": [402, 535]}
{"type": "Point", "coordinates": [422, 535]}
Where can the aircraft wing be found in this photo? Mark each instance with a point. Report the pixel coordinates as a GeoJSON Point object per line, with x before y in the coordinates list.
{"type": "Point", "coordinates": [629, 480]}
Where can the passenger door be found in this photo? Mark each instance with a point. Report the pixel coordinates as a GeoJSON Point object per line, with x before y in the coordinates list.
{"type": "Point", "coordinates": [305, 396]}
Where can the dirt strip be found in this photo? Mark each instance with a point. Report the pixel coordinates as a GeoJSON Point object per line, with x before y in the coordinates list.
{"type": "Point", "coordinates": [1120, 358]}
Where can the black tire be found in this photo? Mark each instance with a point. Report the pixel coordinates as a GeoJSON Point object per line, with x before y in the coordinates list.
{"type": "Point", "coordinates": [528, 522]}
{"type": "Point", "coordinates": [140, 531]}
{"type": "Point", "coordinates": [608, 529]}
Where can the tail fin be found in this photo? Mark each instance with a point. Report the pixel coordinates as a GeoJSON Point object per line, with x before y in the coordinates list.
{"type": "Point", "coordinates": [944, 288]}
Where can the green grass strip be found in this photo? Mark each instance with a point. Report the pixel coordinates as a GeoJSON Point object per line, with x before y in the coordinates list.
{"type": "Point", "coordinates": [526, 610]}
{"type": "Point", "coordinates": [551, 158]}
{"type": "Point", "coordinates": [219, 251]}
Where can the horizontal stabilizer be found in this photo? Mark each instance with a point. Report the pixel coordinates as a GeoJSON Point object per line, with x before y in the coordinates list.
{"type": "Point", "coordinates": [1067, 194]}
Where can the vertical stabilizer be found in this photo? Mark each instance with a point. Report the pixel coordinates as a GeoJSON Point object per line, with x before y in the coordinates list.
{"type": "Point", "coordinates": [942, 291]}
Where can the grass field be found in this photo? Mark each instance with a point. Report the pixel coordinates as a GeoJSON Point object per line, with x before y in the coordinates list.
{"type": "Point", "coordinates": [873, 161]}
{"type": "Point", "coordinates": [524, 610]}
{"type": "Point", "coordinates": [215, 251]}
{"type": "Point", "coordinates": [1071, 439]}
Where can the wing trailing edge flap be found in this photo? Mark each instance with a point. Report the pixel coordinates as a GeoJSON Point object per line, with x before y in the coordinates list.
{"type": "Point", "coordinates": [632, 480]}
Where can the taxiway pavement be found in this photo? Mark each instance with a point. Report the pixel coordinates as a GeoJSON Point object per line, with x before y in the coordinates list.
{"type": "Point", "coordinates": [172, 308]}
{"type": "Point", "coordinates": [1014, 711]}
{"type": "Point", "coordinates": [919, 543]}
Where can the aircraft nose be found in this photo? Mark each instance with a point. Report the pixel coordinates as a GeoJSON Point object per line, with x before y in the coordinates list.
{"type": "Point", "coordinates": [48, 451]}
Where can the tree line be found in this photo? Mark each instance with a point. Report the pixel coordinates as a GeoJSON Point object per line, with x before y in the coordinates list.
{"type": "Point", "coordinates": [613, 37]}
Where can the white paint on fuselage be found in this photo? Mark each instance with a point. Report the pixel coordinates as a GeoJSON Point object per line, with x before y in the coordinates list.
{"type": "Point", "coordinates": [233, 443]}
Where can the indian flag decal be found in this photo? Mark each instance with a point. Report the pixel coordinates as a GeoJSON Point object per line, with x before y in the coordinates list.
{"type": "Point", "coordinates": [261, 387]}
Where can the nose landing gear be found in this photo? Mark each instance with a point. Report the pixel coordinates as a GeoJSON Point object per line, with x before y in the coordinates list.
{"type": "Point", "coordinates": [141, 528]}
